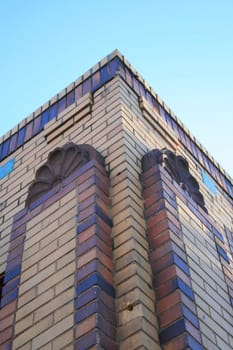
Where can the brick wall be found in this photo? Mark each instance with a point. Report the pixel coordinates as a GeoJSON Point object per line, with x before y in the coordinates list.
{"type": "Point", "coordinates": [123, 257]}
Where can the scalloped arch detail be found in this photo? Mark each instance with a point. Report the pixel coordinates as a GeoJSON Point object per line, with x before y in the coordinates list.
{"type": "Point", "coordinates": [178, 168]}
{"type": "Point", "coordinates": [61, 163]}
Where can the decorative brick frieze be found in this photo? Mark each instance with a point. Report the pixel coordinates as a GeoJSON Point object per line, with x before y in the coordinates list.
{"type": "Point", "coordinates": [95, 294]}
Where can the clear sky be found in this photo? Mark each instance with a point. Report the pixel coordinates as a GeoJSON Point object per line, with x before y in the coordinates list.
{"type": "Point", "coordinates": [183, 48]}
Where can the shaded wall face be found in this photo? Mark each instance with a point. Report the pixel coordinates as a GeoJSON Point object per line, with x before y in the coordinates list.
{"type": "Point", "coordinates": [191, 266]}
{"type": "Point", "coordinates": [169, 264]}
{"type": "Point", "coordinates": [211, 276]}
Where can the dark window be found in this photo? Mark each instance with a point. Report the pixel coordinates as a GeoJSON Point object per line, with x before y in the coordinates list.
{"type": "Point", "coordinates": [1, 286]}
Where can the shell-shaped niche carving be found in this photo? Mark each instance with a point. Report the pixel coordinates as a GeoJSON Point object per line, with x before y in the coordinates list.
{"type": "Point", "coordinates": [178, 168]}
{"type": "Point", "coordinates": [61, 163]}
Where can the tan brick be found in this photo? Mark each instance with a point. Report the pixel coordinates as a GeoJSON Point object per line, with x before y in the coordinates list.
{"type": "Point", "coordinates": [52, 305]}
{"type": "Point", "coordinates": [68, 235]}
{"type": "Point", "coordinates": [138, 340]}
{"type": "Point", "coordinates": [52, 209]}
{"type": "Point", "coordinates": [57, 254]}
{"type": "Point", "coordinates": [65, 284]}
{"type": "Point", "coordinates": [52, 332]}
{"type": "Point", "coordinates": [32, 333]}
{"type": "Point", "coordinates": [133, 282]}
{"type": "Point", "coordinates": [27, 346]}
{"type": "Point", "coordinates": [26, 297]}
{"type": "Point", "coordinates": [31, 271]}
{"type": "Point", "coordinates": [130, 245]}
{"type": "Point", "coordinates": [33, 304]}
{"type": "Point", "coordinates": [68, 198]}
{"type": "Point", "coordinates": [40, 234]}
{"type": "Point", "coordinates": [64, 311]}
{"type": "Point", "coordinates": [56, 277]}
{"type": "Point", "coordinates": [25, 323]}
{"type": "Point", "coordinates": [133, 297]}
{"type": "Point", "coordinates": [67, 258]}
{"type": "Point", "coordinates": [31, 251]}
{"type": "Point", "coordinates": [47, 347]}
{"type": "Point", "coordinates": [63, 340]}
{"type": "Point", "coordinates": [137, 325]}
{"type": "Point", "coordinates": [36, 280]}
{"type": "Point", "coordinates": [39, 256]}
{"type": "Point", "coordinates": [63, 231]}
{"type": "Point", "coordinates": [133, 269]}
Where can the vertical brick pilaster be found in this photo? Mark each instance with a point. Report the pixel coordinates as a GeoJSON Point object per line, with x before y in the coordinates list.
{"type": "Point", "coordinates": [175, 306]}
{"type": "Point", "coordinates": [95, 310]}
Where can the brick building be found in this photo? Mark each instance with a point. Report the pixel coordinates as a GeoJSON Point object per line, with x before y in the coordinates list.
{"type": "Point", "coordinates": [116, 224]}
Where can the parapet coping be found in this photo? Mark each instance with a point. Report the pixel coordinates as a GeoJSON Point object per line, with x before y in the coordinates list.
{"type": "Point", "coordinates": [89, 73]}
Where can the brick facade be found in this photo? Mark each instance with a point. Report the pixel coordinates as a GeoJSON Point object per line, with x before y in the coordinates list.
{"type": "Point", "coordinates": [105, 243]}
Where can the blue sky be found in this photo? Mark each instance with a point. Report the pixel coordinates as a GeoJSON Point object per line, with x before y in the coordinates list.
{"type": "Point", "coordinates": [183, 48]}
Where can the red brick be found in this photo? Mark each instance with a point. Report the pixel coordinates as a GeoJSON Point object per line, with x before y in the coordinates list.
{"type": "Point", "coordinates": [103, 227]}
{"type": "Point", "coordinates": [170, 315]}
{"type": "Point", "coordinates": [177, 343]}
{"type": "Point", "coordinates": [8, 309]}
{"type": "Point", "coordinates": [94, 230]}
{"type": "Point", "coordinates": [105, 260]}
{"type": "Point", "coordinates": [153, 191]}
{"type": "Point", "coordinates": [104, 205]}
{"type": "Point", "coordinates": [86, 184]}
{"type": "Point", "coordinates": [163, 263]}
{"type": "Point", "coordinates": [154, 208]}
{"type": "Point", "coordinates": [82, 215]}
{"type": "Point", "coordinates": [90, 191]}
{"type": "Point", "coordinates": [168, 301]}
{"type": "Point", "coordinates": [164, 289]}
{"type": "Point", "coordinates": [6, 334]}
{"type": "Point", "coordinates": [163, 276]}
{"type": "Point", "coordinates": [154, 171]}
{"type": "Point", "coordinates": [95, 253]}
{"type": "Point", "coordinates": [161, 251]}
{"type": "Point", "coordinates": [158, 226]}
{"type": "Point", "coordinates": [94, 242]}
{"type": "Point", "coordinates": [156, 240]}
{"type": "Point", "coordinates": [83, 178]}
{"type": "Point", "coordinates": [85, 326]}
{"type": "Point", "coordinates": [86, 203]}
{"type": "Point", "coordinates": [95, 266]}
